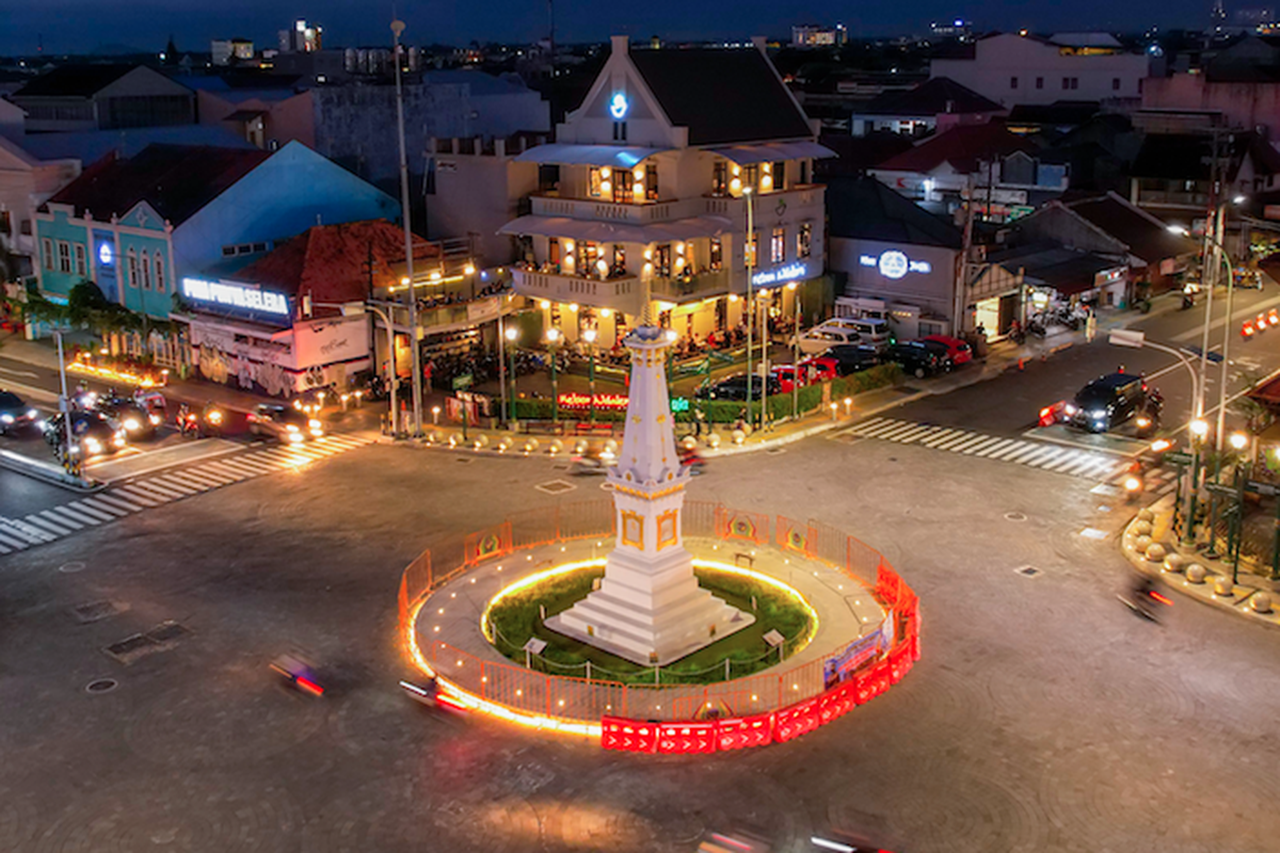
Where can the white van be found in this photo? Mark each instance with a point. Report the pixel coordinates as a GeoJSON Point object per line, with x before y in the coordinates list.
{"type": "Point", "coordinates": [871, 331]}
{"type": "Point", "coordinates": [823, 337]}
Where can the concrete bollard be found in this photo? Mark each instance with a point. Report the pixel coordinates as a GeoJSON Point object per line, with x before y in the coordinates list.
{"type": "Point", "coordinates": [504, 444]}
{"type": "Point", "coordinates": [689, 442]}
{"type": "Point", "coordinates": [714, 440]}
{"type": "Point", "coordinates": [531, 445]}
{"type": "Point", "coordinates": [1141, 544]}
{"type": "Point", "coordinates": [1222, 586]}
{"type": "Point", "coordinates": [556, 446]}
{"type": "Point", "coordinates": [1261, 602]}
{"type": "Point", "coordinates": [481, 441]}
{"type": "Point", "coordinates": [1196, 573]}
{"type": "Point", "coordinates": [1141, 528]}
{"type": "Point", "coordinates": [580, 446]}
{"type": "Point", "coordinates": [1175, 563]}
{"type": "Point", "coordinates": [611, 445]}
{"type": "Point", "coordinates": [1146, 515]}
{"type": "Point", "coordinates": [1155, 552]}
{"type": "Point", "coordinates": [739, 436]}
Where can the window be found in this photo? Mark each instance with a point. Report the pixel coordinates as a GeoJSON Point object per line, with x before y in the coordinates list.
{"type": "Point", "coordinates": [1066, 83]}
{"type": "Point", "coordinates": [132, 269]}
{"type": "Point", "coordinates": [1039, 82]}
{"type": "Point", "coordinates": [159, 273]}
{"type": "Point", "coordinates": [6, 223]}
{"type": "Point", "coordinates": [716, 255]}
{"type": "Point", "coordinates": [619, 259]}
{"type": "Point", "coordinates": [244, 249]}
{"type": "Point", "coordinates": [80, 264]}
{"type": "Point", "coordinates": [619, 131]}
{"type": "Point", "coordinates": [146, 271]}
{"type": "Point", "coordinates": [622, 192]}
{"type": "Point", "coordinates": [48, 253]}
{"type": "Point", "coordinates": [651, 182]}
{"type": "Point", "coordinates": [553, 251]}
{"type": "Point", "coordinates": [720, 178]}
{"type": "Point", "coordinates": [780, 176]}
{"type": "Point", "coordinates": [1115, 84]}
{"type": "Point", "coordinates": [228, 251]}
{"type": "Point", "coordinates": [804, 171]}
{"type": "Point", "coordinates": [599, 183]}
{"type": "Point", "coordinates": [590, 254]}
{"type": "Point", "coordinates": [778, 246]}
{"type": "Point", "coordinates": [64, 256]}
{"type": "Point", "coordinates": [662, 260]}
{"type": "Point", "coordinates": [1070, 83]}
{"type": "Point", "coordinates": [1013, 82]}
{"type": "Point", "coordinates": [1075, 82]}
{"type": "Point", "coordinates": [749, 249]}
{"type": "Point", "coordinates": [259, 247]}
{"type": "Point", "coordinates": [804, 240]}
{"type": "Point", "coordinates": [751, 176]}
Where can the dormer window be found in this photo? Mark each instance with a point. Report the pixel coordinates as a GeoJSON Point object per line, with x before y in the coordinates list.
{"type": "Point", "coordinates": [619, 131]}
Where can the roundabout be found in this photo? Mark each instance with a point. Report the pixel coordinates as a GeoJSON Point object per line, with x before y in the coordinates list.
{"type": "Point", "coordinates": [656, 624]}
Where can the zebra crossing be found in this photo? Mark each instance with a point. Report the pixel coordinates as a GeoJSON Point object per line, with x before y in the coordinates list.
{"type": "Point", "coordinates": [118, 501]}
{"type": "Point", "coordinates": [1055, 458]}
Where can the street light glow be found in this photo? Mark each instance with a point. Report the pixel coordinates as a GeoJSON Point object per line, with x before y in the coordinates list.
{"type": "Point", "coordinates": [1180, 230]}
{"type": "Point", "coordinates": [1239, 440]}
{"type": "Point", "coordinates": [553, 335]}
{"type": "Point", "coordinates": [1199, 428]}
{"type": "Point", "coordinates": [589, 335]}
{"type": "Point", "coordinates": [510, 333]}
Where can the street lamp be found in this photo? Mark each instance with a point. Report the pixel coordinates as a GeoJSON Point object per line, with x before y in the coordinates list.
{"type": "Point", "coordinates": [763, 296]}
{"type": "Point", "coordinates": [589, 335]}
{"type": "Point", "coordinates": [1198, 428]}
{"type": "Point", "coordinates": [553, 338]}
{"type": "Point", "coordinates": [511, 333]}
{"type": "Point", "coordinates": [397, 27]}
{"type": "Point", "coordinates": [794, 287]}
{"type": "Point", "coordinates": [749, 250]}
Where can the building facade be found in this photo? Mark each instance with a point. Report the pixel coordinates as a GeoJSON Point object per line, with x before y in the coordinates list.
{"type": "Point", "coordinates": [104, 97]}
{"type": "Point", "coordinates": [658, 175]}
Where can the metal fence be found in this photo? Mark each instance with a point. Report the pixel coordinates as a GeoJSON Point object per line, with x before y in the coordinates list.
{"type": "Point", "coordinates": [534, 693]}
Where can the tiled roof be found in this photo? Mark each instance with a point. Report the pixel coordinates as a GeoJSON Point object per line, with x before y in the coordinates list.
{"type": "Point", "coordinates": [74, 81]}
{"type": "Point", "coordinates": [330, 262]}
{"type": "Point", "coordinates": [1069, 271]}
{"type": "Point", "coordinates": [865, 209]}
{"type": "Point", "coordinates": [721, 95]}
{"type": "Point", "coordinates": [962, 146]}
{"type": "Point", "coordinates": [176, 180]}
{"type": "Point", "coordinates": [936, 96]}
{"type": "Point", "coordinates": [1146, 237]}
{"type": "Point", "coordinates": [92, 145]}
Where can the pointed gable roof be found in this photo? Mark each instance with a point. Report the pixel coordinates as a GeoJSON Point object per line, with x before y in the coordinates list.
{"type": "Point", "coordinates": [1145, 236]}
{"type": "Point", "coordinates": [962, 146]}
{"type": "Point", "coordinates": [935, 96]}
{"type": "Point", "coordinates": [74, 81]}
{"type": "Point", "coordinates": [176, 180]}
{"type": "Point", "coordinates": [865, 209]}
{"type": "Point", "coordinates": [722, 95]}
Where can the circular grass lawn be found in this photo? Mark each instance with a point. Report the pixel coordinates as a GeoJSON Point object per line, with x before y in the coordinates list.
{"type": "Point", "coordinates": [509, 623]}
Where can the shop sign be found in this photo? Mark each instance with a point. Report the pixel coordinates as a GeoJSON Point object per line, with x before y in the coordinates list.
{"type": "Point", "coordinates": [235, 296]}
{"type": "Point", "coordinates": [618, 106]}
{"type": "Point", "coordinates": [106, 253]}
{"type": "Point", "coordinates": [788, 273]}
{"type": "Point", "coordinates": [895, 264]}
{"type": "Point", "coordinates": [1110, 276]}
{"type": "Point", "coordinates": [575, 400]}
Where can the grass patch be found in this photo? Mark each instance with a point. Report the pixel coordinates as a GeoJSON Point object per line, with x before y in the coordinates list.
{"type": "Point", "coordinates": [517, 618]}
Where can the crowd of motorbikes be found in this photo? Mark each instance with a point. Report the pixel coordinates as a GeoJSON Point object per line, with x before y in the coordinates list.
{"type": "Point", "coordinates": [1039, 323]}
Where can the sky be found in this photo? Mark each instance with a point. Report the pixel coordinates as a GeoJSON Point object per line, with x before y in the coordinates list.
{"type": "Point", "coordinates": [86, 25]}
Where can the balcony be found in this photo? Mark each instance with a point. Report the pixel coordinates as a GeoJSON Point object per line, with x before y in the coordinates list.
{"type": "Point", "coordinates": [692, 288]}
{"type": "Point", "coordinates": [607, 211]}
{"type": "Point", "coordinates": [619, 294]}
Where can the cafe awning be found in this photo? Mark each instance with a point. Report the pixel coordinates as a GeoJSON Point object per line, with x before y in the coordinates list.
{"type": "Point", "coordinates": [768, 152]}
{"type": "Point", "coordinates": [568, 154]}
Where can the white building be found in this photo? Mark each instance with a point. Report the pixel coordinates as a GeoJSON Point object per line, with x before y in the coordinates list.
{"type": "Point", "coordinates": [657, 170]}
{"type": "Point", "coordinates": [223, 51]}
{"type": "Point", "coordinates": [1016, 69]}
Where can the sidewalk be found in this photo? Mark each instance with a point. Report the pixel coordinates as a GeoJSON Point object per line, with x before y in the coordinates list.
{"type": "Point", "coordinates": [1151, 546]}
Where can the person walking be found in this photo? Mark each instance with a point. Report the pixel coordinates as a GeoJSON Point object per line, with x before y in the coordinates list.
{"type": "Point", "coordinates": [1090, 326]}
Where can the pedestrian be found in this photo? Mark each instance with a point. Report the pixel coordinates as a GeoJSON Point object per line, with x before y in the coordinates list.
{"type": "Point", "coordinates": [1090, 327]}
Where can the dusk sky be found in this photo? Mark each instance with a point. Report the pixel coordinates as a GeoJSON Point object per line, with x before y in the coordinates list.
{"type": "Point", "coordinates": [84, 25]}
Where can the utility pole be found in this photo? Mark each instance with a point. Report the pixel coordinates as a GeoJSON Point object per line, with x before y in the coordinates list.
{"type": "Point", "coordinates": [397, 27]}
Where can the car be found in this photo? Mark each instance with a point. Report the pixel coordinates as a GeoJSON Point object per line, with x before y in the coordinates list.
{"type": "Point", "coordinates": [853, 358]}
{"type": "Point", "coordinates": [284, 423]}
{"type": "Point", "coordinates": [15, 413]}
{"type": "Point", "coordinates": [872, 331]}
{"type": "Point", "coordinates": [93, 434]}
{"type": "Point", "coordinates": [917, 361]}
{"type": "Point", "coordinates": [819, 338]}
{"type": "Point", "coordinates": [812, 370]}
{"type": "Point", "coordinates": [960, 351]}
{"type": "Point", "coordinates": [137, 421]}
{"type": "Point", "coordinates": [735, 388]}
{"type": "Point", "coordinates": [942, 352]}
{"type": "Point", "coordinates": [1111, 400]}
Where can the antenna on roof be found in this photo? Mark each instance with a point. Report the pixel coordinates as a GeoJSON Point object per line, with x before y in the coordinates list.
{"type": "Point", "coordinates": [318, 222]}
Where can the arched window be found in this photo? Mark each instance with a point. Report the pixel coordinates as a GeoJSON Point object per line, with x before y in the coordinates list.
{"type": "Point", "coordinates": [146, 271]}
{"type": "Point", "coordinates": [159, 273]}
{"type": "Point", "coordinates": [133, 268]}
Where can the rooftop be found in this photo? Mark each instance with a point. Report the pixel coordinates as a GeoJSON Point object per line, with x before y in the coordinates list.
{"type": "Point", "coordinates": [865, 209]}
{"type": "Point", "coordinates": [1146, 236]}
{"type": "Point", "coordinates": [935, 96]}
{"type": "Point", "coordinates": [1069, 271]}
{"type": "Point", "coordinates": [721, 95]}
{"type": "Point", "coordinates": [962, 147]}
{"type": "Point", "coordinates": [92, 145]}
{"type": "Point", "coordinates": [74, 81]}
{"type": "Point", "coordinates": [176, 180]}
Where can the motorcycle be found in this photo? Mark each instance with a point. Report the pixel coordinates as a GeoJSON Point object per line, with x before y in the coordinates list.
{"type": "Point", "coordinates": [212, 420]}
{"type": "Point", "coordinates": [1143, 598]}
{"type": "Point", "coordinates": [298, 674]}
{"type": "Point", "coordinates": [693, 460]}
{"type": "Point", "coordinates": [188, 422]}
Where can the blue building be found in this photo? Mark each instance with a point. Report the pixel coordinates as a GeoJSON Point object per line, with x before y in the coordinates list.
{"type": "Point", "coordinates": [137, 226]}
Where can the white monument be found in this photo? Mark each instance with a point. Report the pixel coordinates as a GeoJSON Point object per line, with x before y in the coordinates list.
{"type": "Point", "coordinates": [649, 607]}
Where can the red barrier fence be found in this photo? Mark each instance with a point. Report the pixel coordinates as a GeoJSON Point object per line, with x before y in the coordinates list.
{"type": "Point", "coordinates": [680, 718]}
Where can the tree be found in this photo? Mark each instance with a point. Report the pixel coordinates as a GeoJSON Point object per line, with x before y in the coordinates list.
{"type": "Point", "coordinates": [170, 52]}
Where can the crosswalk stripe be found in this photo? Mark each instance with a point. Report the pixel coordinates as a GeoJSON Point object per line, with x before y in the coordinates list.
{"type": "Point", "coordinates": [112, 500]}
{"type": "Point", "coordinates": [1042, 456]}
{"type": "Point", "coordinates": [54, 517]}
{"type": "Point", "coordinates": [10, 538]}
{"type": "Point", "coordinates": [955, 444]}
{"type": "Point", "coordinates": [71, 517]}
{"type": "Point", "coordinates": [33, 535]}
{"type": "Point", "coordinates": [1015, 448]}
{"type": "Point", "coordinates": [232, 475]}
{"type": "Point", "coordinates": [103, 506]}
{"type": "Point", "coordinates": [150, 489]}
{"type": "Point", "coordinates": [83, 509]}
{"type": "Point", "coordinates": [45, 525]}
{"type": "Point", "coordinates": [987, 441]}
{"type": "Point", "coordinates": [255, 466]}
{"type": "Point", "coordinates": [913, 434]}
{"type": "Point", "coordinates": [134, 496]}
{"type": "Point", "coordinates": [347, 442]}
{"type": "Point", "coordinates": [877, 427]}
{"type": "Point", "coordinates": [897, 431]}
{"type": "Point", "coordinates": [938, 438]}
{"type": "Point", "coordinates": [1071, 462]}
{"type": "Point", "coordinates": [207, 480]}
{"type": "Point", "coordinates": [173, 484]}
{"type": "Point", "coordinates": [236, 468]}
{"type": "Point", "coordinates": [999, 447]}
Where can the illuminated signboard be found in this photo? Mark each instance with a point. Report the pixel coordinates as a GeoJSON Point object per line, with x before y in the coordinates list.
{"type": "Point", "coordinates": [894, 264]}
{"type": "Point", "coordinates": [618, 106]}
{"type": "Point", "coordinates": [106, 254]}
{"type": "Point", "coordinates": [235, 296]}
{"type": "Point", "coordinates": [575, 400]}
{"type": "Point", "coordinates": [788, 273]}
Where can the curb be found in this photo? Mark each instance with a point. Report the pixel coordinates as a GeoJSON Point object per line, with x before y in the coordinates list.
{"type": "Point", "coordinates": [47, 472]}
{"type": "Point", "coordinates": [1173, 574]}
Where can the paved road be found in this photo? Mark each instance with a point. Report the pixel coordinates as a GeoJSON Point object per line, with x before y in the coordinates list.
{"type": "Point", "coordinates": [1043, 716]}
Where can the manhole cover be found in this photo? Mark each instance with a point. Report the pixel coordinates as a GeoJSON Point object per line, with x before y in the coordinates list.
{"type": "Point", "coordinates": [1093, 533]}
{"type": "Point", "coordinates": [96, 611]}
{"type": "Point", "coordinates": [101, 685]}
{"type": "Point", "coordinates": [72, 567]}
{"type": "Point", "coordinates": [131, 647]}
{"type": "Point", "coordinates": [555, 487]}
{"type": "Point", "coordinates": [1028, 571]}
{"type": "Point", "coordinates": [1015, 516]}
{"type": "Point", "coordinates": [166, 631]}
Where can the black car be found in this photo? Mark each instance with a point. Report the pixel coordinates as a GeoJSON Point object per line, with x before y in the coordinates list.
{"type": "Point", "coordinates": [735, 388]}
{"type": "Point", "coordinates": [917, 361]}
{"type": "Point", "coordinates": [942, 351]}
{"type": "Point", "coordinates": [14, 413]}
{"type": "Point", "coordinates": [850, 358]}
{"type": "Point", "coordinates": [136, 421]}
{"type": "Point", "coordinates": [93, 434]}
{"type": "Point", "coordinates": [1111, 400]}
